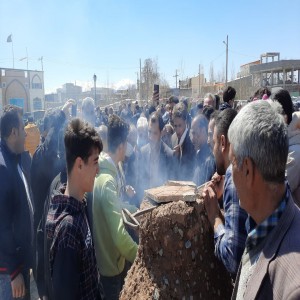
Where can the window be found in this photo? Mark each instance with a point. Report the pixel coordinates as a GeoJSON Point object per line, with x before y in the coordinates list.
{"type": "Point", "coordinates": [37, 85]}
{"type": "Point", "coordinates": [3, 84]}
{"type": "Point", "coordinates": [3, 73]}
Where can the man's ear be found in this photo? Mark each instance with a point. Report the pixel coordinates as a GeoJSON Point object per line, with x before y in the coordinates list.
{"type": "Point", "coordinates": [13, 131]}
{"type": "Point", "coordinates": [78, 164]}
{"type": "Point", "coordinates": [224, 144]}
{"type": "Point", "coordinates": [248, 170]}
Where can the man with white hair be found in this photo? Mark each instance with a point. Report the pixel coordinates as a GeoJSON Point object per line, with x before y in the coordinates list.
{"type": "Point", "coordinates": [88, 110]}
{"type": "Point", "coordinates": [258, 153]}
{"type": "Point", "coordinates": [209, 100]}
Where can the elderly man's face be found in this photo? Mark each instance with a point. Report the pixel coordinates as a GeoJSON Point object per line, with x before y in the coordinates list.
{"type": "Point", "coordinates": [208, 102]}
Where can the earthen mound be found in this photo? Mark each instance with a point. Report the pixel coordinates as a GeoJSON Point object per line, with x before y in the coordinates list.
{"type": "Point", "coordinates": [175, 258]}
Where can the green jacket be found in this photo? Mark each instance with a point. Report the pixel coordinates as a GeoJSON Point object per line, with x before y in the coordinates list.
{"type": "Point", "coordinates": [112, 242]}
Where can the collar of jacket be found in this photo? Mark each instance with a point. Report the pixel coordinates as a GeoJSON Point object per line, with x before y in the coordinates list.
{"type": "Point", "coordinates": [69, 204]}
{"type": "Point", "coordinates": [106, 165]}
{"type": "Point", "coordinates": [11, 155]}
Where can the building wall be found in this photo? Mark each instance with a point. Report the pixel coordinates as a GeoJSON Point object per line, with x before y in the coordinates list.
{"type": "Point", "coordinates": [36, 91]}
{"type": "Point", "coordinates": [243, 86]}
{"type": "Point", "coordinates": [16, 88]}
{"type": "Point", "coordinates": [195, 85]}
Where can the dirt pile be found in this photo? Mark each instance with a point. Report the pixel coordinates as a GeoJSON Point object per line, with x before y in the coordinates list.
{"type": "Point", "coordinates": [176, 258]}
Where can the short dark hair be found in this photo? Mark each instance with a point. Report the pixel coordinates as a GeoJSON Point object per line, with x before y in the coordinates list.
{"type": "Point", "coordinates": [186, 104]}
{"type": "Point", "coordinates": [157, 118]}
{"type": "Point", "coordinates": [52, 118]}
{"type": "Point", "coordinates": [284, 98]}
{"type": "Point", "coordinates": [223, 121]}
{"type": "Point", "coordinates": [229, 94]}
{"type": "Point", "coordinates": [180, 111]}
{"type": "Point", "coordinates": [201, 122]}
{"type": "Point", "coordinates": [117, 132]}
{"type": "Point", "coordinates": [208, 111]}
{"type": "Point", "coordinates": [10, 119]}
{"type": "Point", "coordinates": [173, 99]}
{"type": "Point", "coordinates": [80, 140]}
{"type": "Point", "coordinates": [217, 97]}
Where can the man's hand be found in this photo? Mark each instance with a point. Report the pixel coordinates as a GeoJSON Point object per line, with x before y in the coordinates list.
{"type": "Point", "coordinates": [18, 286]}
{"type": "Point", "coordinates": [217, 182]}
{"type": "Point", "coordinates": [211, 204]}
{"type": "Point", "coordinates": [216, 177]}
{"type": "Point", "coordinates": [67, 106]}
{"type": "Point", "coordinates": [176, 150]}
{"type": "Point", "coordinates": [130, 191]}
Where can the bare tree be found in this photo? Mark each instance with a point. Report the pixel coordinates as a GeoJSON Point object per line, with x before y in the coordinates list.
{"type": "Point", "coordinates": [232, 71]}
{"type": "Point", "coordinates": [150, 76]}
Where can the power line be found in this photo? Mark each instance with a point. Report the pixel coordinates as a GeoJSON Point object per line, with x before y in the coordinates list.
{"type": "Point", "coordinates": [247, 55]}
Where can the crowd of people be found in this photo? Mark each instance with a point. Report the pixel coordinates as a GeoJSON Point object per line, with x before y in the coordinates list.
{"type": "Point", "coordinates": [64, 184]}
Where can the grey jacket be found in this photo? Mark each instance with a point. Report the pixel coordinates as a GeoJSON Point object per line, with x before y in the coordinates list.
{"type": "Point", "coordinates": [276, 274]}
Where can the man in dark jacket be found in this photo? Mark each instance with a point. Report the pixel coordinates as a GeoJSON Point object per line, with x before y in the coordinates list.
{"type": "Point", "coordinates": [205, 162]}
{"type": "Point", "coordinates": [48, 159]}
{"type": "Point", "coordinates": [156, 157]}
{"type": "Point", "coordinates": [184, 152]}
{"type": "Point", "coordinates": [16, 209]}
{"type": "Point", "coordinates": [72, 260]}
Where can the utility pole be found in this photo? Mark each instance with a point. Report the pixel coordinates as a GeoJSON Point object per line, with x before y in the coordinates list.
{"type": "Point", "coordinates": [176, 75]}
{"type": "Point", "coordinates": [226, 43]}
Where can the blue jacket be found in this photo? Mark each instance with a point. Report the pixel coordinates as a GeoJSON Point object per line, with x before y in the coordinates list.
{"type": "Point", "coordinates": [16, 218]}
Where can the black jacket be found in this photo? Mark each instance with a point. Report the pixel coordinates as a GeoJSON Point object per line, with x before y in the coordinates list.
{"type": "Point", "coordinates": [16, 219]}
{"type": "Point", "coordinates": [42, 266]}
{"type": "Point", "coordinates": [48, 160]}
{"type": "Point", "coordinates": [184, 164]}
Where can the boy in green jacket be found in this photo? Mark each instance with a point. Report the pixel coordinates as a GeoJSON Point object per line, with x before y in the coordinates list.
{"type": "Point", "coordinates": [113, 244]}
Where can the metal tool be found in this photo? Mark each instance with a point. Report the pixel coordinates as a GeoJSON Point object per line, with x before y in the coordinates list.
{"type": "Point", "coordinates": [130, 219]}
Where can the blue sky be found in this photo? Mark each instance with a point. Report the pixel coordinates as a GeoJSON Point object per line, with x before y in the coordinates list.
{"type": "Point", "coordinates": [80, 38]}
